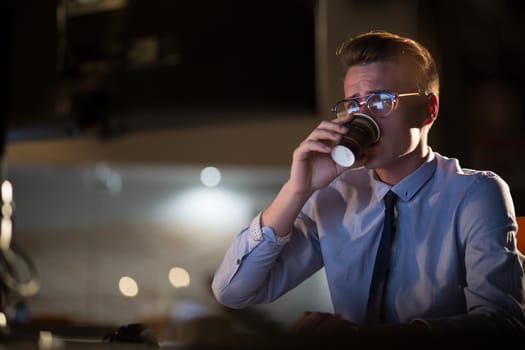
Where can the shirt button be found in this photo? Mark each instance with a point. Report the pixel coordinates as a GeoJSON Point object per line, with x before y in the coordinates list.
{"type": "Point", "coordinates": [238, 261]}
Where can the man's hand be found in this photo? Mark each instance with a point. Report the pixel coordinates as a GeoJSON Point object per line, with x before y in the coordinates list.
{"type": "Point", "coordinates": [312, 165]}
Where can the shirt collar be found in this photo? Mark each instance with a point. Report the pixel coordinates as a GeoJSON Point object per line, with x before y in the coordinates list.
{"type": "Point", "coordinates": [410, 185]}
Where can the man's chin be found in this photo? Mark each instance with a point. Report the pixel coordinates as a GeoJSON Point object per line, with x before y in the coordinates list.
{"type": "Point", "coordinates": [370, 162]}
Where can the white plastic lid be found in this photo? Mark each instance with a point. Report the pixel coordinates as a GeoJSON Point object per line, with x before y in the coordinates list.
{"type": "Point", "coordinates": [343, 155]}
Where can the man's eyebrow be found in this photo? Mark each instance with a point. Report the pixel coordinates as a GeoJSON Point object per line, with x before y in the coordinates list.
{"type": "Point", "coordinates": [368, 93]}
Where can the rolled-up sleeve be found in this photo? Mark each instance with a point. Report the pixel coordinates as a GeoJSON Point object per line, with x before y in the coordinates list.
{"type": "Point", "coordinates": [246, 264]}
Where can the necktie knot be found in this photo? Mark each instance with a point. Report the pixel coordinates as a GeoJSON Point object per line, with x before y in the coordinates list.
{"type": "Point", "coordinates": [390, 200]}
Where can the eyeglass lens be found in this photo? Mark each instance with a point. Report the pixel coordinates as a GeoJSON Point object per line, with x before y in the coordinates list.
{"type": "Point", "coordinates": [379, 104]}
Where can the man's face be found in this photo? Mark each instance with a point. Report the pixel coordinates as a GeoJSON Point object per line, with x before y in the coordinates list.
{"type": "Point", "coordinates": [401, 130]}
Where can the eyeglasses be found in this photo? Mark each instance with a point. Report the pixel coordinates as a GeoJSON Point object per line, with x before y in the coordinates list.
{"type": "Point", "coordinates": [380, 104]}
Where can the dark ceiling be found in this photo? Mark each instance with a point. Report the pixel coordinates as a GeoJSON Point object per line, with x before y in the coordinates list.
{"type": "Point", "coordinates": [114, 65]}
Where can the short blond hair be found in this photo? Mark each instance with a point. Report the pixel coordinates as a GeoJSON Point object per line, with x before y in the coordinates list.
{"type": "Point", "coordinates": [378, 46]}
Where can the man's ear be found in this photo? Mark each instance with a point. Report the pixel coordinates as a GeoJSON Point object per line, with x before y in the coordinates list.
{"type": "Point", "coordinates": [431, 109]}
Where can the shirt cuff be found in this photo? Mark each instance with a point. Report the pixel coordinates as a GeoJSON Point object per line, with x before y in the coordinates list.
{"type": "Point", "coordinates": [282, 240]}
{"type": "Point", "coordinates": [258, 232]}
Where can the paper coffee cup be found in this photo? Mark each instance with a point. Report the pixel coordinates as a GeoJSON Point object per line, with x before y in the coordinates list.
{"type": "Point", "coordinates": [343, 156]}
{"type": "Point", "coordinates": [363, 132]}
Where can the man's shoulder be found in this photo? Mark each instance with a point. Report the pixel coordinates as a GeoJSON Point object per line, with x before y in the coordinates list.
{"type": "Point", "coordinates": [450, 170]}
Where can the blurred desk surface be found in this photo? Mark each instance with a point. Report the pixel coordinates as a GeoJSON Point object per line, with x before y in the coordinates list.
{"type": "Point", "coordinates": [70, 345]}
{"type": "Point", "coordinates": [34, 339]}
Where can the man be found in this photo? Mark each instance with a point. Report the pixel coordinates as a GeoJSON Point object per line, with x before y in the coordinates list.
{"type": "Point", "coordinates": [452, 264]}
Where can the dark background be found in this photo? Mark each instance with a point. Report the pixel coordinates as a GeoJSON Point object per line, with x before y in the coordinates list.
{"type": "Point", "coordinates": [158, 62]}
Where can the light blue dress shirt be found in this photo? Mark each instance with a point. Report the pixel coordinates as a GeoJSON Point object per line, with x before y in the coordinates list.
{"type": "Point", "coordinates": [454, 264]}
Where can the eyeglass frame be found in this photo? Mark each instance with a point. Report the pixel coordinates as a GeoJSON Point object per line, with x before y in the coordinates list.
{"type": "Point", "coordinates": [365, 99]}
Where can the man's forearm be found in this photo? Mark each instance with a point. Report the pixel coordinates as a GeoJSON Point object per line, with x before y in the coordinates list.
{"type": "Point", "coordinates": [280, 215]}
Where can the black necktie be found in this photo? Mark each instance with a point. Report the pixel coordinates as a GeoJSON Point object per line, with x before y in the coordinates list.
{"type": "Point", "coordinates": [374, 311]}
